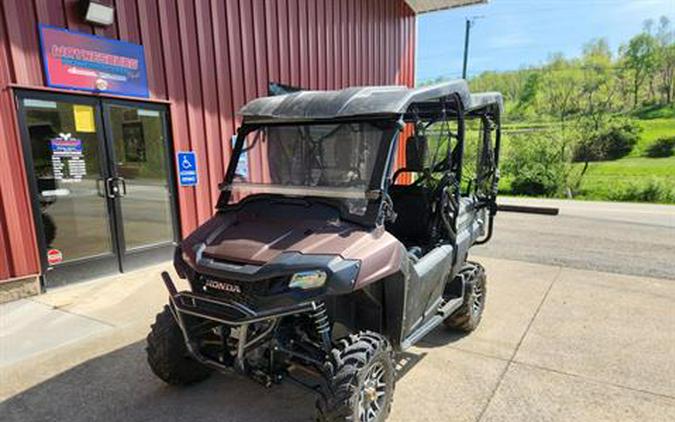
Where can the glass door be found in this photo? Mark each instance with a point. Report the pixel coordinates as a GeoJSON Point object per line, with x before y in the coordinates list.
{"type": "Point", "coordinates": [66, 160]}
{"type": "Point", "coordinates": [101, 184]}
{"type": "Point", "coordinates": [140, 166]}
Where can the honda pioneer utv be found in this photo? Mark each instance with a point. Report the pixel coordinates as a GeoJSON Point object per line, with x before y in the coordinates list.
{"type": "Point", "coordinates": [323, 260]}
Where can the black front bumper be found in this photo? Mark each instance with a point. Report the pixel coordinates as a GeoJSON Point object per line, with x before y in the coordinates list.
{"type": "Point", "coordinates": [225, 311]}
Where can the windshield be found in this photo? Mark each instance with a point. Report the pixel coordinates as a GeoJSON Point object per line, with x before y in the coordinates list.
{"type": "Point", "coordinates": [337, 161]}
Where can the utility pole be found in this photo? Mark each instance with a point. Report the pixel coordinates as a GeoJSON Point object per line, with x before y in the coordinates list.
{"type": "Point", "coordinates": [469, 23]}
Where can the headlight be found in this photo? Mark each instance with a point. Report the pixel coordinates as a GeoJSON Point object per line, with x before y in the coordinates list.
{"type": "Point", "coordinates": [308, 279]}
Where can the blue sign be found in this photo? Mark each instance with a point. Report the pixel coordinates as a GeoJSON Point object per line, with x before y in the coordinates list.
{"type": "Point", "coordinates": [66, 144]}
{"type": "Point", "coordinates": [187, 168]}
{"type": "Point", "coordinates": [92, 63]}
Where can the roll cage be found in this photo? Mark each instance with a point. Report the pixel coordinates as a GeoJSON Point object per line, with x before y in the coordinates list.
{"type": "Point", "coordinates": [396, 107]}
{"type": "Point", "coordinates": [445, 175]}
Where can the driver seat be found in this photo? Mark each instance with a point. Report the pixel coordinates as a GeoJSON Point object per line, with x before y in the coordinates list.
{"type": "Point", "coordinates": [412, 205]}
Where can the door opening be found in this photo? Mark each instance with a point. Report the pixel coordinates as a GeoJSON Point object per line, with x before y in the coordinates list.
{"type": "Point", "coordinates": [102, 189]}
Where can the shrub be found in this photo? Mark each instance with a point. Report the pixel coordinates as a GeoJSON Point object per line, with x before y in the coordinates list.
{"type": "Point", "coordinates": [536, 164]}
{"type": "Point", "coordinates": [536, 182]}
{"type": "Point", "coordinates": [655, 112]}
{"type": "Point", "coordinates": [587, 150]}
{"type": "Point", "coordinates": [611, 142]}
{"type": "Point", "coordinates": [652, 191]}
{"type": "Point", "coordinates": [620, 139]}
{"type": "Point", "coordinates": [662, 147]}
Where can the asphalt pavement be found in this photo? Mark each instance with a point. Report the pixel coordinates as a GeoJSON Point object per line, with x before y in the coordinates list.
{"type": "Point", "coordinates": [624, 238]}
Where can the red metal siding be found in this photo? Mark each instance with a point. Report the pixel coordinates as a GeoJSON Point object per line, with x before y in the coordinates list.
{"type": "Point", "coordinates": [175, 89]}
{"type": "Point", "coordinates": [223, 80]}
{"type": "Point", "coordinates": [207, 57]}
{"type": "Point", "coordinates": [18, 251]}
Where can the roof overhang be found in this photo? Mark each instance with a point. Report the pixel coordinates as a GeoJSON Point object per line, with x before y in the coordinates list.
{"type": "Point", "coordinates": [424, 6]}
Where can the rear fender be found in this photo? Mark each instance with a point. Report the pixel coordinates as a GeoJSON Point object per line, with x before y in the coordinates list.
{"type": "Point", "coordinates": [471, 224]}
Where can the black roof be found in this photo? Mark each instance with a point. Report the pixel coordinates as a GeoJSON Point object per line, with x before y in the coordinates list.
{"type": "Point", "coordinates": [360, 102]}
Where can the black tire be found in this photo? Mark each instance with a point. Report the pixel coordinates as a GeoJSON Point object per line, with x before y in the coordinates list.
{"type": "Point", "coordinates": [468, 316]}
{"type": "Point", "coordinates": [356, 368]}
{"type": "Point", "coordinates": [168, 356]}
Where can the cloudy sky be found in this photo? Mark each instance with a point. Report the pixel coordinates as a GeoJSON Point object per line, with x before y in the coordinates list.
{"type": "Point", "coordinates": [515, 33]}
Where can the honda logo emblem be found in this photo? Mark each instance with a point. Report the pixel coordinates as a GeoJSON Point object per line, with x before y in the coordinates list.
{"type": "Point", "coordinates": [225, 287]}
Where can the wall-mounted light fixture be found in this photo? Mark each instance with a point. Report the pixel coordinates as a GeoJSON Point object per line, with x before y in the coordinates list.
{"type": "Point", "coordinates": [98, 12]}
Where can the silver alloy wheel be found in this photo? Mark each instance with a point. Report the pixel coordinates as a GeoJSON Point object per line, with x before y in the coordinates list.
{"type": "Point", "coordinates": [372, 394]}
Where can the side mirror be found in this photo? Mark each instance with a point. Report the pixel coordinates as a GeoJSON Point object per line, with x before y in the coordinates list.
{"type": "Point", "coordinates": [415, 153]}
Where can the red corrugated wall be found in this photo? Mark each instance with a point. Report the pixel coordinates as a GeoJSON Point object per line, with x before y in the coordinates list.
{"type": "Point", "coordinates": [207, 58]}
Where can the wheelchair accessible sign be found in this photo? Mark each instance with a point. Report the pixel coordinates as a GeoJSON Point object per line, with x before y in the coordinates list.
{"type": "Point", "coordinates": [187, 168]}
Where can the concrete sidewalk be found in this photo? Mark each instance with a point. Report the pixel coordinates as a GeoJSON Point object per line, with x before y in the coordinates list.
{"type": "Point", "coordinates": [555, 344]}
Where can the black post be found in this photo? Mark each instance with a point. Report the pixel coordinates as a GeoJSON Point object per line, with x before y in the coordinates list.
{"type": "Point", "coordinates": [466, 47]}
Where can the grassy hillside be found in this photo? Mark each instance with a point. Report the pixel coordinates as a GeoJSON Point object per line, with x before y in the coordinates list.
{"type": "Point", "coordinates": [637, 177]}
{"type": "Point", "coordinates": [653, 129]}
{"type": "Point", "coordinates": [604, 97]}
{"type": "Point", "coordinates": [632, 178]}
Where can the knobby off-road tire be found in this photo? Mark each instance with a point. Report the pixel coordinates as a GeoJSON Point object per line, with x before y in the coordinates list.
{"type": "Point", "coordinates": [168, 356]}
{"type": "Point", "coordinates": [361, 376]}
{"type": "Point", "coordinates": [468, 316]}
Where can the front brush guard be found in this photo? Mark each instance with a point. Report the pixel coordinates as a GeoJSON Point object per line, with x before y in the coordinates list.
{"type": "Point", "coordinates": [223, 312]}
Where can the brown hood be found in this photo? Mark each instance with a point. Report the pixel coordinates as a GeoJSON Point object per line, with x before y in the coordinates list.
{"type": "Point", "coordinates": [258, 239]}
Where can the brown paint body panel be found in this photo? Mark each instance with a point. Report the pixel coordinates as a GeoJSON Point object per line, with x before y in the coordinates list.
{"type": "Point", "coordinates": [321, 44]}
{"type": "Point", "coordinates": [259, 238]}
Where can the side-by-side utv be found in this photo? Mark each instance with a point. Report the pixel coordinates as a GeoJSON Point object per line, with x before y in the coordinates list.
{"type": "Point", "coordinates": [325, 258]}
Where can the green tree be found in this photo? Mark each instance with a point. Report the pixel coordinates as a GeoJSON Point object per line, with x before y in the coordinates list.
{"type": "Point", "coordinates": [560, 89]}
{"type": "Point", "coordinates": [665, 37]}
{"type": "Point", "coordinates": [528, 95]}
{"type": "Point", "coordinates": [598, 84]}
{"type": "Point", "coordinates": [536, 164]}
{"type": "Point", "coordinates": [640, 58]}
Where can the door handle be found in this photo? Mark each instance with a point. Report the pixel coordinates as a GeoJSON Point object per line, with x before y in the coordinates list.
{"type": "Point", "coordinates": [111, 189]}
{"type": "Point", "coordinates": [124, 187]}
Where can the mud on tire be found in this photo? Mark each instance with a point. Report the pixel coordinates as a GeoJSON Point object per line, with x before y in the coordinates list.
{"type": "Point", "coordinates": [361, 375]}
{"type": "Point", "coordinates": [167, 354]}
{"type": "Point", "coordinates": [469, 314]}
